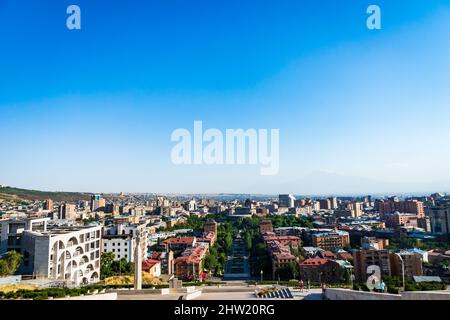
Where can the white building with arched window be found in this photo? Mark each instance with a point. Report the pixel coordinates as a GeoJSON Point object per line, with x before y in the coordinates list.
{"type": "Point", "coordinates": [71, 254]}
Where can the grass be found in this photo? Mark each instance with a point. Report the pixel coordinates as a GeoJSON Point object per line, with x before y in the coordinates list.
{"type": "Point", "coordinates": [16, 287]}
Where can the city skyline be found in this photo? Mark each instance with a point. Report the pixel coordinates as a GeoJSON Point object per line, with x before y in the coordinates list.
{"type": "Point", "coordinates": [359, 111]}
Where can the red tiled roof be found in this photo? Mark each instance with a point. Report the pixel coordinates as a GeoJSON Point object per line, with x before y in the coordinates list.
{"type": "Point", "coordinates": [180, 240]}
{"type": "Point", "coordinates": [149, 263]}
{"type": "Point", "coordinates": [192, 255]}
{"type": "Point", "coordinates": [314, 262]}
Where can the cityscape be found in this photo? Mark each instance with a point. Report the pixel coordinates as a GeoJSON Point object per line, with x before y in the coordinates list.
{"type": "Point", "coordinates": [224, 246]}
{"type": "Point", "coordinates": [224, 158]}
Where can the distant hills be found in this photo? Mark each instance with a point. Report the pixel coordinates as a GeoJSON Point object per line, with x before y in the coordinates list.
{"type": "Point", "coordinates": [10, 193]}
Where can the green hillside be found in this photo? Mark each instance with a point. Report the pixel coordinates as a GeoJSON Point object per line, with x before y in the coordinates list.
{"type": "Point", "coordinates": [16, 193]}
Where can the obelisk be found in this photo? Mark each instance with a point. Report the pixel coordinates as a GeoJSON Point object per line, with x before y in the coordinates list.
{"type": "Point", "coordinates": [137, 262]}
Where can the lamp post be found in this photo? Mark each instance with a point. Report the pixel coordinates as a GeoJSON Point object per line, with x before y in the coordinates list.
{"type": "Point", "coordinates": [403, 269]}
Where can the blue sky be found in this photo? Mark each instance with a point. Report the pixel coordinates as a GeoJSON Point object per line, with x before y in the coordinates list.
{"type": "Point", "coordinates": [359, 111]}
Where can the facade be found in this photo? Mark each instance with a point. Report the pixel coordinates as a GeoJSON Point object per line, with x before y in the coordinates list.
{"type": "Point", "coordinates": [167, 261]}
{"type": "Point", "coordinates": [189, 265]}
{"type": "Point", "coordinates": [11, 232]}
{"type": "Point", "coordinates": [67, 212]}
{"type": "Point", "coordinates": [48, 205]}
{"type": "Point", "coordinates": [121, 240]}
{"type": "Point", "coordinates": [286, 200]}
{"type": "Point", "coordinates": [281, 256]}
{"type": "Point", "coordinates": [440, 218]}
{"type": "Point", "coordinates": [331, 240]}
{"type": "Point", "coordinates": [364, 258]}
{"type": "Point", "coordinates": [265, 226]}
{"type": "Point", "coordinates": [70, 254]}
{"type": "Point", "coordinates": [179, 243]}
{"type": "Point", "coordinates": [152, 266]}
{"type": "Point", "coordinates": [97, 203]}
{"type": "Point", "coordinates": [320, 270]}
{"type": "Point", "coordinates": [409, 206]}
{"type": "Point", "coordinates": [411, 261]}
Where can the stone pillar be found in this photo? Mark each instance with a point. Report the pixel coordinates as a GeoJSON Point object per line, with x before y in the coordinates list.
{"type": "Point", "coordinates": [137, 262]}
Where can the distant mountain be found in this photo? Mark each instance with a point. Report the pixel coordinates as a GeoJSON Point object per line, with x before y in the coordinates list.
{"type": "Point", "coordinates": [16, 193]}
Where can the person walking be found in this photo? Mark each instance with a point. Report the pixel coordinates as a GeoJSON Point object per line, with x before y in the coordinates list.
{"type": "Point", "coordinates": [301, 285]}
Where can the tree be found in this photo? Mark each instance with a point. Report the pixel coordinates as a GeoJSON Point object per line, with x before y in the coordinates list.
{"type": "Point", "coordinates": [248, 240]}
{"type": "Point", "coordinates": [106, 261]}
{"type": "Point", "coordinates": [10, 263]}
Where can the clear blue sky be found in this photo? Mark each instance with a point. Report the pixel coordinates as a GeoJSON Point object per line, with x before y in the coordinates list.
{"type": "Point", "coordinates": [93, 110]}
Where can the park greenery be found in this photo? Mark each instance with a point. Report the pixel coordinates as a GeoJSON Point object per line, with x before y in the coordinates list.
{"type": "Point", "coordinates": [404, 242]}
{"type": "Point", "coordinates": [394, 283]}
{"type": "Point", "coordinates": [10, 263]}
{"type": "Point", "coordinates": [216, 257]}
{"type": "Point", "coordinates": [110, 267]}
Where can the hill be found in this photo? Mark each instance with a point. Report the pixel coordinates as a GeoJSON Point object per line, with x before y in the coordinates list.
{"type": "Point", "coordinates": [16, 193]}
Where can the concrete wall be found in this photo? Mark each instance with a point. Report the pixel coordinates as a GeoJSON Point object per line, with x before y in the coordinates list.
{"type": "Point", "coordinates": [345, 294]}
{"type": "Point", "coordinates": [103, 296]}
{"type": "Point", "coordinates": [426, 295]}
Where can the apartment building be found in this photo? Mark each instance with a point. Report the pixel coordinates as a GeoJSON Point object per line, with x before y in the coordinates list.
{"type": "Point", "coordinates": [121, 240]}
{"type": "Point", "coordinates": [364, 258]}
{"type": "Point", "coordinates": [189, 265]}
{"type": "Point", "coordinates": [331, 240]}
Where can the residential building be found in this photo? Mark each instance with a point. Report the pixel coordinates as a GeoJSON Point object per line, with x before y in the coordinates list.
{"type": "Point", "coordinates": [121, 240]}
{"type": "Point", "coordinates": [265, 226]}
{"type": "Point", "coordinates": [411, 261]}
{"type": "Point", "coordinates": [331, 240]}
{"type": "Point", "coordinates": [189, 265]}
{"type": "Point", "coordinates": [364, 258]}
{"type": "Point", "coordinates": [48, 204]}
{"type": "Point", "coordinates": [67, 211]}
{"type": "Point", "coordinates": [153, 267]}
{"type": "Point", "coordinates": [440, 218]}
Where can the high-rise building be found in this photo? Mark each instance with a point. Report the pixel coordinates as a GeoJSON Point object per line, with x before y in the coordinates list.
{"type": "Point", "coordinates": [97, 203]}
{"type": "Point", "coordinates": [48, 204]}
{"type": "Point", "coordinates": [325, 204]}
{"type": "Point", "coordinates": [334, 203]}
{"type": "Point", "coordinates": [355, 208]}
{"type": "Point", "coordinates": [67, 211]}
{"type": "Point", "coordinates": [286, 200]}
{"type": "Point", "coordinates": [408, 206]}
{"type": "Point", "coordinates": [440, 218]}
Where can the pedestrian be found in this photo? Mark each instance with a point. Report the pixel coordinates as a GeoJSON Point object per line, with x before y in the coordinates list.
{"type": "Point", "coordinates": [382, 286]}
{"type": "Point", "coordinates": [301, 285]}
